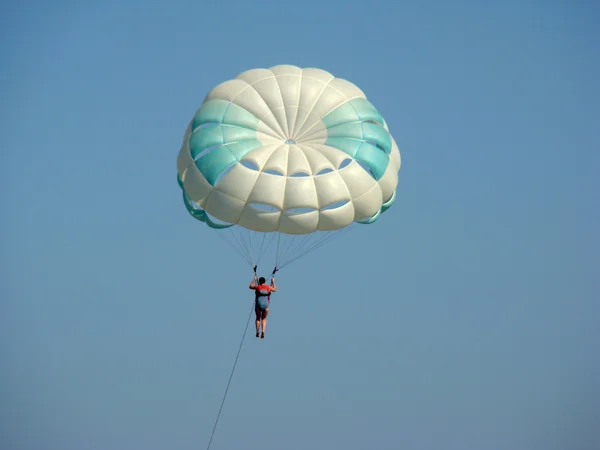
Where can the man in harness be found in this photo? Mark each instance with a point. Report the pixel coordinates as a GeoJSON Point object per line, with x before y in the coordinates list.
{"type": "Point", "coordinates": [262, 300]}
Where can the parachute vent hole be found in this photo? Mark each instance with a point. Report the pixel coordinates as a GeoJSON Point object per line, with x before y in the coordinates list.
{"type": "Point", "coordinates": [206, 151]}
{"type": "Point", "coordinates": [289, 142]}
{"type": "Point", "coordinates": [249, 164]}
{"type": "Point", "coordinates": [376, 144]}
{"type": "Point", "coordinates": [263, 207]}
{"type": "Point", "coordinates": [224, 174]}
{"type": "Point", "coordinates": [335, 205]}
{"type": "Point", "coordinates": [217, 221]}
{"type": "Point", "coordinates": [194, 204]}
{"type": "Point", "coordinates": [324, 171]}
{"type": "Point", "coordinates": [374, 122]}
{"type": "Point", "coordinates": [367, 169]}
{"type": "Point", "coordinates": [345, 163]}
{"type": "Point", "coordinates": [206, 125]}
{"type": "Point", "coordinates": [299, 174]}
{"type": "Point", "coordinates": [274, 172]}
{"type": "Point", "coordinates": [296, 211]}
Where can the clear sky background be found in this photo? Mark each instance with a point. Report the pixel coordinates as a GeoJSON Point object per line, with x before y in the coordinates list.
{"type": "Point", "coordinates": [466, 318]}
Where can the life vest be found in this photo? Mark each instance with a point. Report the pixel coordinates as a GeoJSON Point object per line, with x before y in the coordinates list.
{"type": "Point", "coordinates": [263, 290]}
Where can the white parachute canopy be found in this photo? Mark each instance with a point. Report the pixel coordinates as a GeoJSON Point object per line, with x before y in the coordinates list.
{"type": "Point", "coordinates": [288, 151]}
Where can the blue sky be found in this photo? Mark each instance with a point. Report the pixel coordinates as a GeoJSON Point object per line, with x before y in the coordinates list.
{"type": "Point", "coordinates": [466, 318]}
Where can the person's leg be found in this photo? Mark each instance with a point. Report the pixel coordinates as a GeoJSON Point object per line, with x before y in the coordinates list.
{"type": "Point", "coordinates": [258, 312]}
{"type": "Point", "coordinates": [264, 321]}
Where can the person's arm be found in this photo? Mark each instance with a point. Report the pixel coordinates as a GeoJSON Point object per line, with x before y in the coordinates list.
{"type": "Point", "coordinates": [253, 283]}
{"type": "Point", "coordinates": [273, 286]}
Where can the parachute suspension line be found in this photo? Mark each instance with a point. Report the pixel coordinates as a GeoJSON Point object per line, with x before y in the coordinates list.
{"type": "Point", "coordinates": [230, 377]}
{"type": "Point", "coordinates": [248, 239]}
{"type": "Point", "coordinates": [243, 244]}
{"type": "Point", "coordinates": [315, 246]}
{"type": "Point", "coordinates": [303, 243]}
{"type": "Point", "coordinates": [289, 246]}
{"type": "Point", "coordinates": [319, 243]}
{"type": "Point", "coordinates": [236, 249]}
{"type": "Point", "coordinates": [277, 251]}
{"type": "Point", "coordinates": [264, 250]}
{"type": "Point", "coordinates": [262, 243]}
{"type": "Point", "coordinates": [288, 249]}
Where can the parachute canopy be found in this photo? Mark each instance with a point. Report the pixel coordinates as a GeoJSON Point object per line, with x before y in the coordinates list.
{"type": "Point", "coordinates": [287, 150]}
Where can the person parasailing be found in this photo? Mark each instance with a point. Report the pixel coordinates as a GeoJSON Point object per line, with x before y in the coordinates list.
{"type": "Point", "coordinates": [262, 300]}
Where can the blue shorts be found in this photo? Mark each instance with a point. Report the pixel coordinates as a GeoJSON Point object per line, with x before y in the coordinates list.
{"type": "Point", "coordinates": [262, 303]}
